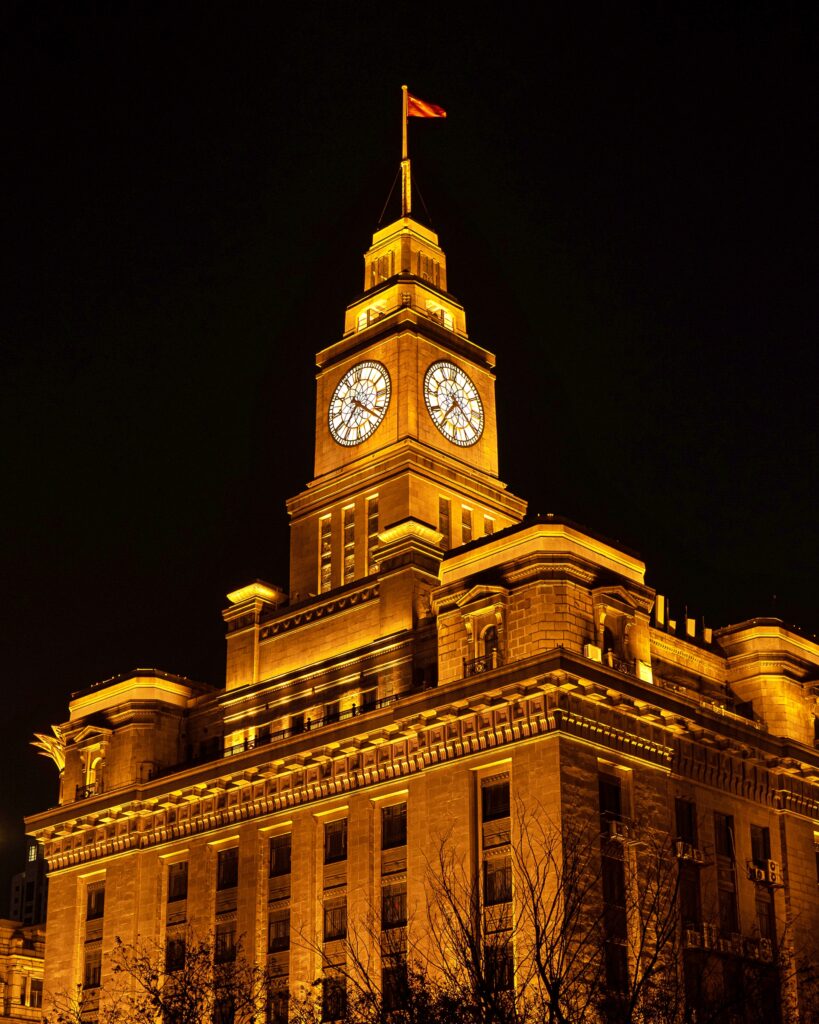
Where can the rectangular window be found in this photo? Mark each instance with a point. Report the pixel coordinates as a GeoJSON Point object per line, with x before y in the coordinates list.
{"type": "Point", "coordinates": [325, 555]}
{"type": "Point", "coordinates": [332, 712]}
{"type": "Point", "coordinates": [333, 999]}
{"type": "Point", "coordinates": [369, 699]}
{"type": "Point", "coordinates": [488, 526]}
{"type": "Point", "coordinates": [224, 949]}
{"type": "Point", "coordinates": [685, 813]}
{"type": "Point", "coordinates": [497, 881]}
{"type": "Point", "coordinates": [278, 931]}
{"type": "Point", "coordinates": [95, 902]}
{"type": "Point", "coordinates": [393, 906]}
{"type": "Point", "coordinates": [280, 852]}
{"type": "Point", "coordinates": [35, 993]}
{"type": "Point", "coordinates": [495, 800]}
{"type": "Point", "coordinates": [348, 516]}
{"type": "Point", "coordinates": [724, 835]}
{"type": "Point", "coordinates": [394, 983]}
{"type": "Point", "coordinates": [444, 522]}
{"type": "Point", "coordinates": [611, 797]}
{"type": "Point", "coordinates": [499, 965]}
{"type": "Point", "coordinates": [178, 881]}
{"type": "Point", "coordinates": [278, 1006]}
{"type": "Point", "coordinates": [297, 723]}
{"type": "Point", "coordinates": [227, 869]}
{"type": "Point", "coordinates": [175, 953]}
{"type": "Point", "coordinates": [466, 524]}
{"type": "Point", "coordinates": [372, 534]}
{"type": "Point", "coordinates": [92, 968]}
{"type": "Point", "coordinates": [393, 826]}
{"type": "Point", "coordinates": [689, 885]}
{"type": "Point", "coordinates": [335, 841]}
{"type": "Point", "coordinates": [726, 874]}
{"type": "Point", "coordinates": [335, 920]}
{"type": "Point", "coordinates": [760, 845]}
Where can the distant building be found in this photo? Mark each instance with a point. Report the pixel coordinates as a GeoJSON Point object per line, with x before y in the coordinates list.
{"type": "Point", "coordinates": [438, 660]}
{"type": "Point", "coordinates": [21, 971]}
{"type": "Point", "coordinates": [29, 888]}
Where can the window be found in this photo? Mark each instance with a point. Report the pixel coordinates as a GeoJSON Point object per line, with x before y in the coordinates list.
{"type": "Point", "coordinates": [369, 699]}
{"type": "Point", "coordinates": [495, 800]}
{"type": "Point", "coordinates": [348, 517]}
{"type": "Point", "coordinates": [177, 881]}
{"type": "Point", "coordinates": [393, 826]}
{"type": "Point", "coordinates": [227, 868]}
{"type": "Point", "coordinates": [394, 982]}
{"type": "Point", "coordinates": [466, 524]}
{"type": "Point", "coordinates": [95, 902]}
{"type": "Point", "coordinates": [760, 845]}
{"type": "Point", "coordinates": [333, 999]}
{"type": "Point", "coordinates": [444, 522]}
{"type": "Point", "coordinates": [92, 968]}
{"type": "Point", "coordinates": [335, 920]}
{"type": "Point", "coordinates": [372, 534]}
{"type": "Point", "coordinates": [32, 852]}
{"type": "Point", "coordinates": [335, 841]}
{"type": "Point", "coordinates": [764, 914]}
{"type": "Point", "coordinates": [35, 993]}
{"type": "Point", "coordinates": [332, 712]}
{"type": "Point", "coordinates": [689, 886]}
{"type": "Point", "coordinates": [297, 723]}
{"type": "Point", "coordinates": [726, 874]}
{"type": "Point", "coordinates": [224, 950]}
{"type": "Point", "coordinates": [175, 953]}
{"type": "Point", "coordinates": [325, 555]}
{"type": "Point", "coordinates": [278, 931]}
{"type": "Point", "coordinates": [685, 814]}
{"type": "Point", "coordinates": [394, 906]}
{"type": "Point", "coordinates": [278, 1006]}
{"type": "Point", "coordinates": [490, 646]}
{"type": "Point", "coordinates": [488, 526]}
{"type": "Point", "coordinates": [497, 881]}
{"type": "Point", "coordinates": [280, 853]}
{"type": "Point", "coordinates": [499, 965]}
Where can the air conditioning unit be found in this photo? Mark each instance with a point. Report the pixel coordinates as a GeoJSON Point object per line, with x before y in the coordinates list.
{"type": "Point", "coordinates": [709, 936]}
{"type": "Point", "coordinates": [765, 949]}
{"type": "Point", "coordinates": [618, 831]}
{"type": "Point", "coordinates": [592, 652]}
{"type": "Point", "coordinates": [773, 872]}
{"type": "Point", "coordinates": [685, 851]}
{"type": "Point", "coordinates": [756, 874]}
{"type": "Point", "coordinates": [724, 946]}
{"type": "Point", "coordinates": [752, 949]}
{"type": "Point", "coordinates": [693, 937]}
{"type": "Point", "coordinates": [697, 856]}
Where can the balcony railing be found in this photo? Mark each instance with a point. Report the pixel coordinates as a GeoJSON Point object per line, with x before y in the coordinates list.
{"type": "Point", "coordinates": [83, 792]}
{"type": "Point", "coordinates": [475, 666]}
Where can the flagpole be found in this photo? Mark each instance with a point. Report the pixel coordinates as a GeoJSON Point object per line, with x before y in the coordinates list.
{"type": "Point", "coordinates": [406, 184]}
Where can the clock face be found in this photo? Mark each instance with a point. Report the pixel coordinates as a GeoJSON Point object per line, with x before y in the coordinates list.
{"type": "Point", "coordinates": [454, 403]}
{"type": "Point", "coordinates": [359, 403]}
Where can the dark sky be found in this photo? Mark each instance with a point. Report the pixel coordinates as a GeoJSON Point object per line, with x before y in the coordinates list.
{"type": "Point", "coordinates": [627, 202]}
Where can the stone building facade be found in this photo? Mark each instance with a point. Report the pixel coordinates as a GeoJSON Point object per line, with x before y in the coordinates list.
{"type": "Point", "coordinates": [437, 661]}
{"type": "Point", "coordinates": [21, 971]}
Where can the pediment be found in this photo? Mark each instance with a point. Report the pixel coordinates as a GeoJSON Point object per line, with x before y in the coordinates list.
{"type": "Point", "coordinates": [90, 734]}
{"type": "Point", "coordinates": [628, 599]}
{"type": "Point", "coordinates": [482, 594]}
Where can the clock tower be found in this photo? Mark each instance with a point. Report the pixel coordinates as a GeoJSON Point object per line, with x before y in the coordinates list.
{"type": "Point", "coordinates": [405, 423]}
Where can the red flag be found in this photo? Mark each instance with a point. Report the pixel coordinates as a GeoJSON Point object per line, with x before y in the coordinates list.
{"type": "Point", "coordinates": [420, 108]}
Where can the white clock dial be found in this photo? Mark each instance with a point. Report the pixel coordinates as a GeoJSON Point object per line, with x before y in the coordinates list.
{"type": "Point", "coordinates": [359, 403]}
{"type": "Point", "coordinates": [454, 403]}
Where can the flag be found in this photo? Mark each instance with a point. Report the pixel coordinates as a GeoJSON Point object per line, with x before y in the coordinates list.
{"type": "Point", "coordinates": [420, 108]}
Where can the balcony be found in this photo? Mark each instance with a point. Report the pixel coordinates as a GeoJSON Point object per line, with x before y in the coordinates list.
{"type": "Point", "coordinates": [485, 663]}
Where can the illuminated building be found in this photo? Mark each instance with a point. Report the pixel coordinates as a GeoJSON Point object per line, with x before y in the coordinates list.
{"type": "Point", "coordinates": [437, 660]}
{"type": "Point", "coordinates": [21, 971]}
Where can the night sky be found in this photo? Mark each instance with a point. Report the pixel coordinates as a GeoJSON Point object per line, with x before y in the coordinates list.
{"type": "Point", "coordinates": [628, 205]}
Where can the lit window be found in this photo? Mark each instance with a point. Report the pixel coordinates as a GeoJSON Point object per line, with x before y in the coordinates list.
{"type": "Point", "coordinates": [372, 533]}
{"type": "Point", "coordinates": [349, 544]}
{"type": "Point", "coordinates": [325, 555]}
{"type": "Point", "coordinates": [443, 522]}
{"type": "Point", "coordinates": [466, 524]}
